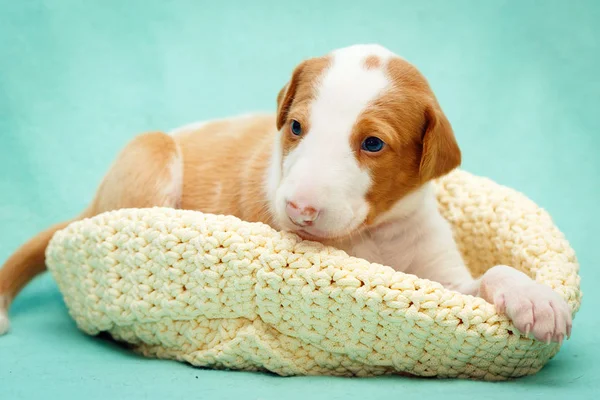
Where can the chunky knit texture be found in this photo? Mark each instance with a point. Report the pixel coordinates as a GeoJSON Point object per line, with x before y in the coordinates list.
{"type": "Point", "coordinates": [218, 292]}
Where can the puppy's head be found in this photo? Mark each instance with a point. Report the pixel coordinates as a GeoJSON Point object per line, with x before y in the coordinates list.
{"type": "Point", "coordinates": [359, 130]}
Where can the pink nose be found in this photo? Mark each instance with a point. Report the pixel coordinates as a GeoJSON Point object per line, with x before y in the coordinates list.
{"type": "Point", "coordinates": [300, 214]}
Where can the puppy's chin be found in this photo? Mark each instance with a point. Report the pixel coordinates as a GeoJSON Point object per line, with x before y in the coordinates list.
{"type": "Point", "coordinates": [316, 235]}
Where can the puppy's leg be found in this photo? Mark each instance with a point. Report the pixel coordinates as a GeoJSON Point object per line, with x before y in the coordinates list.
{"type": "Point", "coordinates": [147, 173]}
{"type": "Point", "coordinates": [533, 307]}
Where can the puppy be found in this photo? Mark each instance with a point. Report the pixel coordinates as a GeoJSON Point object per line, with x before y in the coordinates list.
{"type": "Point", "coordinates": [347, 160]}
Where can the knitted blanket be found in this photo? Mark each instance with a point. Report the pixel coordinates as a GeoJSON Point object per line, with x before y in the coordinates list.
{"type": "Point", "coordinates": [215, 291]}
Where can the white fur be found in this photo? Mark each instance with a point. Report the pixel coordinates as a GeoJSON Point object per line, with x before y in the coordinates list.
{"type": "Point", "coordinates": [273, 177]}
{"type": "Point", "coordinates": [322, 171]}
{"type": "Point", "coordinates": [4, 323]}
{"type": "Point", "coordinates": [173, 191]}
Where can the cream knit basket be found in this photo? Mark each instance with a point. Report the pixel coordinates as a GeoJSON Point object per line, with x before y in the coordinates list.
{"type": "Point", "coordinates": [218, 292]}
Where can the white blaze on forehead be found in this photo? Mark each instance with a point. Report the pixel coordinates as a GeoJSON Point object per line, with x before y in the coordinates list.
{"type": "Point", "coordinates": [342, 94]}
{"type": "Point", "coordinates": [348, 87]}
{"type": "Point", "coordinates": [323, 167]}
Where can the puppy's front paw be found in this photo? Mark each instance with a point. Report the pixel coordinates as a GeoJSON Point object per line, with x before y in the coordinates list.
{"type": "Point", "coordinates": [537, 309]}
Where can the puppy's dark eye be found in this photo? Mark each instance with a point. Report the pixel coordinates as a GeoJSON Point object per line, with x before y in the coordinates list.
{"type": "Point", "coordinates": [296, 127]}
{"type": "Point", "coordinates": [372, 144]}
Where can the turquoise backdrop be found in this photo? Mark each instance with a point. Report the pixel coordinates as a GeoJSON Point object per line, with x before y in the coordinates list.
{"type": "Point", "coordinates": [519, 80]}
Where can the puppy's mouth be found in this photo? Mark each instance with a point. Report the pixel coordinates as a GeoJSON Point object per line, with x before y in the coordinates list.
{"type": "Point", "coordinates": [310, 233]}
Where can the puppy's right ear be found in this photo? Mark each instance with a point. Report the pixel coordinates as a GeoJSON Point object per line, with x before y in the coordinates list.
{"type": "Point", "coordinates": [285, 98]}
{"type": "Point", "coordinates": [441, 153]}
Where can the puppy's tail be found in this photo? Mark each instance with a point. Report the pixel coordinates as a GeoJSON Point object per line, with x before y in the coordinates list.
{"type": "Point", "coordinates": [24, 265]}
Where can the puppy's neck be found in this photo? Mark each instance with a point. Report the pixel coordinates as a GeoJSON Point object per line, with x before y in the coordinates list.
{"type": "Point", "coordinates": [391, 239]}
{"type": "Point", "coordinates": [415, 202]}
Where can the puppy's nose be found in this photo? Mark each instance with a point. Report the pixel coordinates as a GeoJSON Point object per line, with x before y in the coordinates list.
{"type": "Point", "coordinates": [300, 214]}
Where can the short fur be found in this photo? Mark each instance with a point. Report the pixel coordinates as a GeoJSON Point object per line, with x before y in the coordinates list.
{"type": "Point", "coordinates": [378, 206]}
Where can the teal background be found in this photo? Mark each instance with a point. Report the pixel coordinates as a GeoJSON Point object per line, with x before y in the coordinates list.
{"type": "Point", "coordinates": [78, 79]}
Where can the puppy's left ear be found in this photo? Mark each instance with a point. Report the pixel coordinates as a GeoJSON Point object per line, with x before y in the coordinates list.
{"type": "Point", "coordinates": [280, 95]}
{"type": "Point", "coordinates": [441, 153]}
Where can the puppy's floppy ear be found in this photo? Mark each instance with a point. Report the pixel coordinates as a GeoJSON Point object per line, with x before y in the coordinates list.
{"type": "Point", "coordinates": [441, 153]}
{"type": "Point", "coordinates": [286, 95]}
{"type": "Point", "coordinates": [280, 95]}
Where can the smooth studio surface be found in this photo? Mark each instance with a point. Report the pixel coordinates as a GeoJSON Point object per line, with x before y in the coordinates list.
{"type": "Point", "coordinates": [518, 80]}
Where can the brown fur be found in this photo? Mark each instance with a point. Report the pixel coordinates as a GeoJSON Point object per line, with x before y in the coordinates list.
{"type": "Point", "coordinates": [420, 144]}
{"type": "Point", "coordinates": [209, 158]}
{"type": "Point", "coordinates": [26, 263]}
{"type": "Point", "coordinates": [135, 179]}
{"type": "Point", "coordinates": [295, 99]}
{"type": "Point", "coordinates": [221, 179]}
{"type": "Point", "coordinates": [140, 174]}
{"type": "Point", "coordinates": [372, 62]}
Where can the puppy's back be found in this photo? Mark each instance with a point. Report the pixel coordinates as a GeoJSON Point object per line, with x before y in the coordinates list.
{"type": "Point", "coordinates": [225, 165]}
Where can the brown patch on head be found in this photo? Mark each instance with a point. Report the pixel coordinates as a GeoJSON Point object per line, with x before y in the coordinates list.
{"type": "Point", "coordinates": [372, 62]}
{"type": "Point", "coordinates": [419, 142]}
{"type": "Point", "coordinates": [295, 98]}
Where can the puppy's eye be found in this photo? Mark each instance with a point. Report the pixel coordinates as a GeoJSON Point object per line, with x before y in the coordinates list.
{"type": "Point", "coordinates": [372, 144]}
{"type": "Point", "coordinates": [296, 127]}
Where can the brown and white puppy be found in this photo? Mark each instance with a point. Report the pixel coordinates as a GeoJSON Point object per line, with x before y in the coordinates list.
{"type": "Point", "coordinates": [347, 160]}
